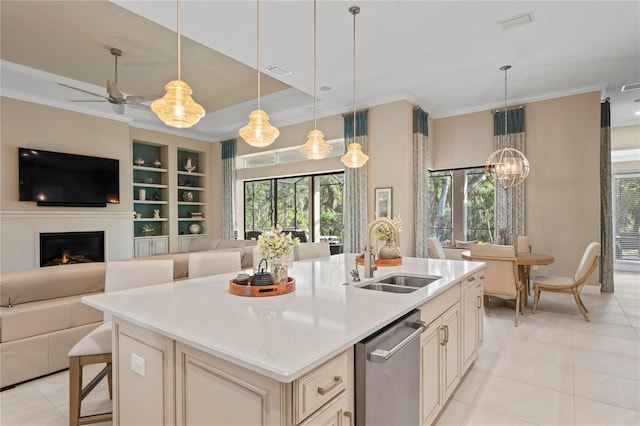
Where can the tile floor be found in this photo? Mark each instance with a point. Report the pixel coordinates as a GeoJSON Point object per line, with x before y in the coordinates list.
{"type": "Point", "coordinates": [554, 369]}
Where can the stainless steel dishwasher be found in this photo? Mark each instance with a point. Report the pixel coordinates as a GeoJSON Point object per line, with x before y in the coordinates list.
{"type": "Point", "coordinates": [388, 374]}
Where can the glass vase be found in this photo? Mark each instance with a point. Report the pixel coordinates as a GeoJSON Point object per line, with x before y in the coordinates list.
{"type": "Point", "coordinates": [389, 251]}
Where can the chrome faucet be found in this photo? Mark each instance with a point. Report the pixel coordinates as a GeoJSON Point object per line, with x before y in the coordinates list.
{"type": "Point", "coordinates": [369, 257]}
{"type": "Point", "coordinates": [354, 272]}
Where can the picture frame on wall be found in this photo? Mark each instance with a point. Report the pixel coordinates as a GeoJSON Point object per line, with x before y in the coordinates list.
{"type": "Point", "coordinates": [383, 203]}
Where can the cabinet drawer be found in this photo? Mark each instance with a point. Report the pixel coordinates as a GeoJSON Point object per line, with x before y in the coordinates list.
{"type": "Point", "coordinates": [335, 413]}
{"type": "Point", "coordinates": [318, 386]}
{"type": "Point", "coordinates": [438, 305]}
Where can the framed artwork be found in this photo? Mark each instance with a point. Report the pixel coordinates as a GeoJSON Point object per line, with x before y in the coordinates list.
{"type": "Point", "coordinates": [383, 203]}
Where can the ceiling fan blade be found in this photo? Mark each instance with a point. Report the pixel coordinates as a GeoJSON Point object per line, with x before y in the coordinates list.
{"type": "Point", "coordinates": [113, 91]}
{"type": "Point", "coordinates": [85, 100]}
{"type": "Point", "coordinates": [84, 91]}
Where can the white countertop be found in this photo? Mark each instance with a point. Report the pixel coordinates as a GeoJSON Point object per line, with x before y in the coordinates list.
{"type": "Point", "coordinates": [281, 337]}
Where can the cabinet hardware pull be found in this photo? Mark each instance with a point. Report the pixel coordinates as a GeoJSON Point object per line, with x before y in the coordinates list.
{"type": "Point", "coordinates": [482, 277]}
{"type": "Point", "coordinates": [446, 334]}
{"type": "Point", "coordinates": [479, 302]}
{"type": "Point", "coordinates": [443, 340]}
{"type": "Point", "coordinates": [381, 355]}
{"type": "Point", "coordinates": [336, 381]}
{"type": "Point", "coordinates": [471, 279]}
{"type": "Point", "coordinates": [349, 415]}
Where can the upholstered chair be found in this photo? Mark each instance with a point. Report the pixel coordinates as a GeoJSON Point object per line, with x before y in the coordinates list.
{"type": "Point", "coordinates": [435, 248]}
{"type": "Point", "coordinates": [204, 263]}
{"type": "Point", "coordinates": [501, 273]}
{"type": "Point", "coordinates": [523, 244]}
{"type": "Point", "coordinates": [570, 285]}
{"type": "Point", "coordinates": [95, 347]}
{"type": "Point", "coordinates": [313, 250]}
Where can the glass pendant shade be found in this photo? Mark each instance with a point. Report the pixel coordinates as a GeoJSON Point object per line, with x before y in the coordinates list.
{"type": "Point", "coordinates": [259, 132]}
{"type": "Point", "coordinates": [354, 156]}
{"type": "Point", "coordinates": [507, 167]}
{"type": "Point", "coordinates": [315, 148]}
{"type": "Point", "coordinates": [177, 108]}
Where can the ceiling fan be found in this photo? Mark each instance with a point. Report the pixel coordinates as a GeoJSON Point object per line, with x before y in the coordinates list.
{"type": "Point", "coordinates": [115, 97]}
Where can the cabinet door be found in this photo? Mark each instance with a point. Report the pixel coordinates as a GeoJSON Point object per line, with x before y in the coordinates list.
{"type": "Point", "coordinates": [143, 247]}
{"type": "Point", "coordinates": [451, 351]}
{"type": "Point", "coordinates": [335, 413]}
{"type": "Point", "coordinates": [480, 310]}
{"type": "Point", "coordinates": [430, 353]}
{"type": "Point", "coordinates": [469, 317]}
{"type": "Point", "coordinates": [214, 392]}
{"type": "Point", "coordinates": [160, 246]}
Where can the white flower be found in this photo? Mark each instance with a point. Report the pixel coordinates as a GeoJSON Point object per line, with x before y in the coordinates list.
{"type": "Point", "coordinates": [385, 233]}
{"type": "Point", "coordinates": [274, 244]}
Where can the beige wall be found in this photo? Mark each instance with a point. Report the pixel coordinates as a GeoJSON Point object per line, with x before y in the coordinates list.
{"type": "Point", "coordinates": [562, 190]}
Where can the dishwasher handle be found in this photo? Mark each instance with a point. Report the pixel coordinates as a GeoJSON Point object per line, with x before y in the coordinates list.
{"type": "Point", "coordinates": [381, 355]}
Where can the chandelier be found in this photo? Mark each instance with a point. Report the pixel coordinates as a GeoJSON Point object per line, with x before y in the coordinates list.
{"type": "Point", "coordinates": [506, 167]}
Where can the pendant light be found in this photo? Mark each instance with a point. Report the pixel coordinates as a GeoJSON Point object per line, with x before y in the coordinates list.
{"type": "Point", "coordinates": [506, 167]}
{"type": "Point", "coordinates": [259, 132]}
{"type": "Point", "coordinates": [315, 148]}
{"type": "Point", "coordinates": [177, 108]}
{"type": "Point", "coordinates": [354, 156]}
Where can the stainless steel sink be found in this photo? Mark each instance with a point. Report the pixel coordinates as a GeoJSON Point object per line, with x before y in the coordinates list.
{"type": "Point", "coordinates": [409, 281]}
{"type": "Point", "coordinates": [389, 288]}
{"type": "Point", "coordinates": [400, 283]}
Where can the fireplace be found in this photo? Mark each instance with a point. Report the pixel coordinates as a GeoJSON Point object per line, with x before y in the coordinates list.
{"type": "Point", "coordinates": [61, 248]}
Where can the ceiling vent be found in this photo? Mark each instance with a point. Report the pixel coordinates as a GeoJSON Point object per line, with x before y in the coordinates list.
{"type": "Point", "coordinates": [516, 21]}
{"type": "Point", "coordinates": [278, 70]}
{"type": "Point", "coordinates": [628, 87]}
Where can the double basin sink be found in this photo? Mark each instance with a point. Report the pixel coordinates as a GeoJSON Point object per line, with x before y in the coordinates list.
{"type": "Point", "coordinates": [400, 283]}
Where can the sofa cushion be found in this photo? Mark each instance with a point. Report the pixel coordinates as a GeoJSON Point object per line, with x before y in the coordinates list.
{"type": "Point", "coordinates": [52, 282]}
{"type": "Point", "coordinates": [45, 316]}
{"type": "Point", "coordinates": [227, 244]}
{"type": "Point", "coordinates": [204, 244]}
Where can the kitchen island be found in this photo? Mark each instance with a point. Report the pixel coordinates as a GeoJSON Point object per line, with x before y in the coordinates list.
{"type": "Point", "coordinates": [190, 348]}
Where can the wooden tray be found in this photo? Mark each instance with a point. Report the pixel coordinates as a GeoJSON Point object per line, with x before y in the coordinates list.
{"type": "Point", "coordinates": [261, 290]}
{"type": "Point", "coordinates": [383, 262]}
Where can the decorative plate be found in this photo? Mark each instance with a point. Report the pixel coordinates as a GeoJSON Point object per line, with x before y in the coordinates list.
{"type": "Point", "coordinates": [195, 228]}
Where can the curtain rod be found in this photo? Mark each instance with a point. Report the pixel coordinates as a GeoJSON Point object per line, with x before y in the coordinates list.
{"type": "Point", "coordinates": [344, 114]}
{"type": "Point", "coordinates": [455, 169]}
{"type": "Point", "coordinates": [493, 111]}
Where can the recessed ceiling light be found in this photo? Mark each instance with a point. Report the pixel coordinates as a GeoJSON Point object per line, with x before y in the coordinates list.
{"type": "Point", "coordinates": [278, 70]}
{"type": "Point", "coordinates": [516, 21]}
{"type": "Point", "coordinates": [325, 88]}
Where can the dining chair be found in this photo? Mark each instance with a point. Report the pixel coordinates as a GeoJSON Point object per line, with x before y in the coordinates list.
{"type": "Point", "coordinates": [313, 250]}
{"type": "Point", "coordinates": [501, 273]}
{"type": "Point", "coordinates": [523, 244]}
{"type": "Point", "coordinates": [570, 285]}
{"type": "Point", "coordinates": [205, 263]}
{"type": "Point", "coordinates": [435, 248]}
{"type": "Point", "coordinates": [95, 347]}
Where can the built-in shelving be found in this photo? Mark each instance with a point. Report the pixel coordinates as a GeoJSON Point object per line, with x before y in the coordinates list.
{"type": "Point", "coordinates": [191, 192]}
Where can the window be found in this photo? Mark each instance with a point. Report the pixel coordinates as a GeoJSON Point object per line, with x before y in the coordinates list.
{"type": "Point", "coordinates": [466, 217]}
{"type": "Point", "coordinates": [308, 206]}
{"type": "Point", "coordinates": [627, 217]}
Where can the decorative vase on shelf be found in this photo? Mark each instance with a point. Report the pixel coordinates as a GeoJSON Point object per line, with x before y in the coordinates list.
{"type": "Point", "coordinates": [157, 163]}
{"type": "Point", "coordinates": [187, 196]}
{"type": "Point", "coordinates": [189, 166]}
{"type": "Point", "coordinates": [389, 251]}
{"type": "Point", "coordinates": [139, 161]}
{"type": "Point", "coordinates": [279, 272]}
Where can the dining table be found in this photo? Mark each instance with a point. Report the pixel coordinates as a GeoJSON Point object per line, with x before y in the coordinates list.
{"type": "Point", "coordinates": [524, 260]}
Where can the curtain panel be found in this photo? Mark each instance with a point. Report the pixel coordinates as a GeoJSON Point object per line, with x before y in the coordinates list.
{"type": "Point", "coordinates": [228, 188]}
{"type": "Point", "coordinates": [606, 210]}
{"type": "Point", "coordinates": [510, 203]}
{"type": "Point", "coordinates": [354, 200]}
{"type": "Point", "coordinates": [420, 182]}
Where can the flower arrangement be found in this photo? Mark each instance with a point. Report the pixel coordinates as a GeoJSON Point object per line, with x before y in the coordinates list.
{"type": "Point", "coordinates": [275, 244]}
{"type": "Point", "coordinates": [385, 233]}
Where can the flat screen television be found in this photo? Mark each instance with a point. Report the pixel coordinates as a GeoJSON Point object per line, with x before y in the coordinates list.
{"type": "Point", "coordinates": [61, 179]}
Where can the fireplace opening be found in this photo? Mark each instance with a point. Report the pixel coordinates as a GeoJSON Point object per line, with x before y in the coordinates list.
{"type": "Point", "coordinates": [62, 248]}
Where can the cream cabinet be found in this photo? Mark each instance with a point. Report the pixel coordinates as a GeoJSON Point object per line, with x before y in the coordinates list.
{"type": "Point", "coordinates": [471, 300]}
{"type": "Point", "coordinates": [162, 382]}
{"type": "Point", "coordinates": [144, 246]}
